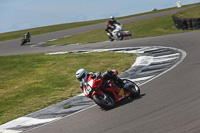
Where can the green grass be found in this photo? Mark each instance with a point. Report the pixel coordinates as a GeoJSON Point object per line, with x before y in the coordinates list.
{"type": "Point", "coordinates": [46, 29]}
{"type": "Point", "coordinates": [87, 37]}
{"type": "Point", "coordinates": [190, 13]}
{"type": "Point", "coordinates": [53, 28]}
{"type": "Point", "coordinates": [67, 107]}
{"type": "Point", "coordinates": [144, 28]}
{"type": "Point", "coordinates": [153, 27]}
{"type": "Point", "coordinates": [34, 81]}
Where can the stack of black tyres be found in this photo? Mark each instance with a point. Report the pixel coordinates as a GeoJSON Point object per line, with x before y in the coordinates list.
{"type": "Point", "coordinates": [186, 23]}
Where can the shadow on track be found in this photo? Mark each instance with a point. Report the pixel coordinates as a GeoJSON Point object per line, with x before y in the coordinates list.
{"type": "Point", "coordinates": [124, 102]}
{"type": "Point", "coordinates": [27, 44]}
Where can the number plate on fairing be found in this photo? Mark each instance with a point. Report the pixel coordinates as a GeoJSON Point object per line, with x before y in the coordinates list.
{"type": "Point", "coordinates": [87, 90]}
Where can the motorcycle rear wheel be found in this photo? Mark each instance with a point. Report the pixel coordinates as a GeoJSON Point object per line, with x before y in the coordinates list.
{"type": "Point", "coordinates": [120, 35]}
{"type": "Point", "coordinates": [133, 89]}
{"type": "Point", "coordinates": [121, 38]}
{"type": "Point", "coordinates": [107, 103]}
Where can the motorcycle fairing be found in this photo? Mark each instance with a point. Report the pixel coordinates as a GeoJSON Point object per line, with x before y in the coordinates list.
{"type": "Point", "coordinates": [93, 87]}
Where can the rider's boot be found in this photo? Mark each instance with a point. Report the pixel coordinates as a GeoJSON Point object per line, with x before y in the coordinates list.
{"type": "Point", "coordinates": [120, 83]}
{"type": "Point", "coordinates": [111, 35]}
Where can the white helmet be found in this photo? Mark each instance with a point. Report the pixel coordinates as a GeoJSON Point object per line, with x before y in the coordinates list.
{"type": "Point", "coordinates": [112, 18]}
{"type": "Point", "coordinates": [81, 74]}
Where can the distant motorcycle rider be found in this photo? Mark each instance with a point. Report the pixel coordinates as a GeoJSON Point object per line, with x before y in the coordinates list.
{"type": "Point", "coordinates": [27, 36]}
{"type": "Point", "coordinates": [82, 77]}
{"type": "Point", "coordinates": [110, 25]}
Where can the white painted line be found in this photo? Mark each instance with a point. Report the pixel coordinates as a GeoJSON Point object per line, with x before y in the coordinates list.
{"type": "Point", "coordinates": [168, 56]}
{"type": "Point", "coordinates": [62, 117]}
{"type": "Point", "coordinates": [163, 59]}
{"type": "Point", "coordinates": [141, 79]}
{"type": "Point", "coordinates": [143, 61]}
{"type": "Point", "coordinates": [57, 53]}
{"type": "Point", "coordinates": [11, 131]}
{"type": "Point", "coordinates": [184, 54]}
{"type": "Point", "coordinates": [144, 49]}
{"type": "Point", "coordinates": [24, 121]}
{"type": "Point", "coordinates": [52, 40]}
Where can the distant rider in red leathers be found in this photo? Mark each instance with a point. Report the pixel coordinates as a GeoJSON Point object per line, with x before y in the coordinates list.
{"type": "Point", "coordinates": [110, 24]}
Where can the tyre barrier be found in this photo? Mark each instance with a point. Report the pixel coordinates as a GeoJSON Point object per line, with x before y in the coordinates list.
{"type": "Point", "coordinates": [186, 23]}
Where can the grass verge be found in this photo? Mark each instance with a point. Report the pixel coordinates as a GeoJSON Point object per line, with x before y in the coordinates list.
{"type": "Point", "coordinates": [190, 13]}
{"type": "Point", "coordinates": [53, 28]}
{"type": "Point", "coordinates": [145, 28]}
{"type": "Point", "coordinates": [34, 81]}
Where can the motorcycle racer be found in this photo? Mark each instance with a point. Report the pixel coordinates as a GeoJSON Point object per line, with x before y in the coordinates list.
{"type": "Point", "coordinates": [82, 77]}
{"type": "Point", "coordinates": [27, 36]}
{"type": "Point", "coordinates": [110, 24]}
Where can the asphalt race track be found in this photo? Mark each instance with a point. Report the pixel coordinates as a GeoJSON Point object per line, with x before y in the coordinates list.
{"type": "Point", "coordinates": [168, 104]}
{"type": "Point", "coordinates": [13, 46]}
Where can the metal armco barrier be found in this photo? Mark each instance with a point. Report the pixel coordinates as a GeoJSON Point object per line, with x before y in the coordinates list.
{"type": "Point", "coordinates": [186, 23]}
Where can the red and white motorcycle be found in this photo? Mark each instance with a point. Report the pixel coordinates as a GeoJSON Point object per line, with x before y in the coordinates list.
{"type": "Point", "coordinates": [108, 94]}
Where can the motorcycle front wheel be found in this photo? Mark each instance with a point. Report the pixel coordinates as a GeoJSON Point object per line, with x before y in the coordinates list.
{"type": "Point", "coordinates": [135, 91]}
{"type": "Point", "coordinates": [106, 103]}
{"type": "Point", "coordinates": [23, 42]}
